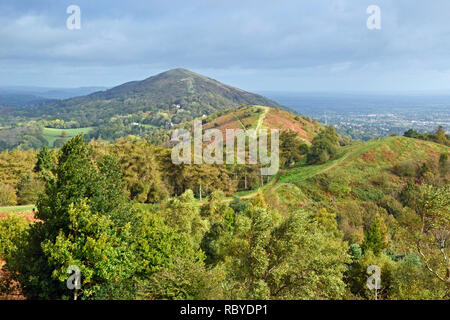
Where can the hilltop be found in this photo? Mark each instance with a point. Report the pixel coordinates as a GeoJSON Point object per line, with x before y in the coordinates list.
{"type": "Point", "coordinates": [179, 94]}
{"type": "Point", "coordinates": [263, 117]}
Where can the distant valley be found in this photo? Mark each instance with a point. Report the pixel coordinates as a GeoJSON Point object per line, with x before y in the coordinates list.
{"type": "Point", "coordinates": [365, 116]}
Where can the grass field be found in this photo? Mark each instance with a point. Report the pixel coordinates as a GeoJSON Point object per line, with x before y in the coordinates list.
{"type": "Point", "coordinates": [52, 134]}
{"type": "Point", "coordinates": [17, 208]}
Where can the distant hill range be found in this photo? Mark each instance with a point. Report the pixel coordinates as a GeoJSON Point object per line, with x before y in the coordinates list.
{"type": "Point", "coordinates": [43, 93]}
{"type": "Point", "coordinates": [165, 93]}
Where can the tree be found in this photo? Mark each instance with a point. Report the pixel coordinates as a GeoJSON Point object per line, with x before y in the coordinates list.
{"type": "Point", "coordinates": [44, 160]}
{"type": "Point", "coordinates": [12, 230]}
{"type": "Point", "coordinates": [324, 146]}
{"type": "Point", "coordinates": [183, 214]}
{"type": "Point", "coordinates": [411, 133]}
{"type": "Point", "coordinates": [238, 205]}
{"type": "Point", "coordinates": [93, 243]}
{"type": "Point", "coordinates": [140, 171]}
{"type": "Point", "coordinates": [291, 259]}
{"type": "Point", "coordinates": [441, 137]}
{"type": "Point", "coordinates": [184, 280]}
{"type": "Point", "coordinates": [427, 227]}
{"type": "Point", "coordinates": [375, 237]}
{"type": "Point", "coordinates": [85, 219]}
{"type": "Point", "coordinates": [291, 147]}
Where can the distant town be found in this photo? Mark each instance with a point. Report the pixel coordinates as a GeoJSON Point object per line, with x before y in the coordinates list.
{"type": "Point", "coordinates": [367, 117]}
{"type": "Point", "coordinates": [366, 126]}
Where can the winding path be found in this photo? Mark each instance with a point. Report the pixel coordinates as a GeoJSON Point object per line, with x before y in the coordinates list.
{"type": "Point", "coordinates": [254, 194]}
{"type": "Point", "coordinates": [261, 118]}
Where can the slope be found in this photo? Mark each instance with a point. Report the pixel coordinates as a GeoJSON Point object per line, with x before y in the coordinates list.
{"type": "Point", "coordinates": [179, 93]}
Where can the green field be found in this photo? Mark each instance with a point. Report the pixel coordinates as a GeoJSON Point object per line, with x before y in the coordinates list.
{"type": "Point", "coordinates": [17, 208]}
{"type": "Point", "coordinates": [52, 134]}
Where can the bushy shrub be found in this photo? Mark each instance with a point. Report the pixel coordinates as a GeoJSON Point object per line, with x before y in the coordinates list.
{"type": "Point", "coordinates": [392, 205]}
{"type": "Point", "coordinates": [367, 194]}
{"type": "Point", "coordinates": [7, 195]}
{"type": "Point", "coordinates": [29, 189]}
{"type": "Point", "coordinates": [339, 188]}
{"type": "Point", "coordinates": [11, 229]}
{"type": "Point", "coordinates": [406, 168]}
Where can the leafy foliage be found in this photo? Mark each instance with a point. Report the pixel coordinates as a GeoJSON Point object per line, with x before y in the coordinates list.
{"type": "Point", "coordinates": [324, 146]}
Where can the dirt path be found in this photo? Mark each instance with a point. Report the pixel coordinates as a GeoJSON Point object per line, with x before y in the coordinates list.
{"type": "Point", "coordinates": [261, 118]}
{"type": "Point", "coordinates": [334, 165]}
{"type": "Point", "coordinates": [254, 194]}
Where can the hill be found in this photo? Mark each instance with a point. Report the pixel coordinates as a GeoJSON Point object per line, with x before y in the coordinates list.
{"type": "Point", "coordinates": [16, 100]}
{"type": "Point", "coordinates": [169, 97]}
{"type": "Point", "coordinates": [364, 179]}
{"type": "Point", "coordinates": [263, 117]}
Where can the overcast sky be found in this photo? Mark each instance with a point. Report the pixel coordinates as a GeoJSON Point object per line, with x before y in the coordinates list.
{"type": "Point", "coordinates": [279, 45]}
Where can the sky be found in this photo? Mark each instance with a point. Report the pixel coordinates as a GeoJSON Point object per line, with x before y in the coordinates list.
{"type": "Point", "coordinates": [257, 45]}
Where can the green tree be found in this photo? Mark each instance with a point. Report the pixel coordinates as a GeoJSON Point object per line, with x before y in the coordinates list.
{"type": "Point", "coordinates": [82, 207]}
{"type": "Point", "coordinates": [291, 147]}
{"type": "Point", "coordinates": [183, 214]}
{"type": "Point", "coordinates": [44, 160]}
{"type": "Point", "coordinates": [92, 242]}
{"type": "Point", "coordinates": [140, 171]}
{"type": "Point", "coordinates": [184, 280]}
{"type": "Point", "coordinates": [375, 237]}
{"type": "Point", "coordinates": [294, 259]}
{"type": "Point", "coordinates": [427, 229]}
{"type": "Point", "coordinates": [324, 146]}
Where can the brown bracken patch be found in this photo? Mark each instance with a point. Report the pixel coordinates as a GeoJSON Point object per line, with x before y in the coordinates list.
{"type": "Point", "coordinates": [369, 156]}
{"type": "Point", "coordinates": [389, 156]}
{"type": "Point", "coordinates": [14, 290]}
{"type": "Point", "coordinates": [276, 120]}
{"type": "Point", "coordinates": [28, 215]}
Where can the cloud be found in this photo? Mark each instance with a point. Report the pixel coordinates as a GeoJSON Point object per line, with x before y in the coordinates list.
{"type": "Point", "coordinates": [282, 43]}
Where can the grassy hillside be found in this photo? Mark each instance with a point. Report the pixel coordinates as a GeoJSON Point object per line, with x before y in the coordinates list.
{"type": "Point", "coordinates": [262, 117]}
{"type": "Point", "coordinates": [52, 134]}
{"type": "Point", "coordinates": [12, 209]}
{"type": "Point", "coordinates": [176, 95]}
{"type": "Point", "coordinates": [359, 169]}
{"type": "Point", "coordinates": [360, 180]}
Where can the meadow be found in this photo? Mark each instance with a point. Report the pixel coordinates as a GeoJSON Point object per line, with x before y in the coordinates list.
{"type": "Point", "coordinates": [52, 134]}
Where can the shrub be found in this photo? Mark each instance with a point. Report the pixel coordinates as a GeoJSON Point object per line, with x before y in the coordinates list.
{"type": "Point", "coordinates": [367, 194]}
{"type": "Point", "coordinates": [406, 168]}
{"type": "Point", "coordinates": [339, 188]}
{"type": "Point", "coordinates": [29, 190]}
{"type": "Point", "coordinates": [11, 228]}
{"type": "Point", "coordinates": [391, 205]}
{"type": "Point", "coordinates": [443, 163]}
{"type": "Point", "coordinates": [238, 205]}
{"type": "Point", "coordinates": [7, 195]}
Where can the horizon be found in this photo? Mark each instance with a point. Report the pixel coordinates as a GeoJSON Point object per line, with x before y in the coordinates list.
{"type": "Point", "coordinates": [442, 92]}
